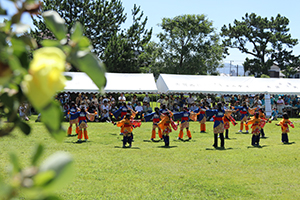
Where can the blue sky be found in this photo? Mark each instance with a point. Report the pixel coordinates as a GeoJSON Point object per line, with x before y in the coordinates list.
{"type": "Point", "coordinates": [219, 11]}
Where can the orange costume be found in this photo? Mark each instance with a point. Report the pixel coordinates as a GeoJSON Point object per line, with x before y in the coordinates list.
{"type": "Point", "coordinates": [284, 123]}
{"type": "Point", "coordinates": [165, 125]}
{"type": "Point", "coordinates": [126, 127]}
{"type": "Point", "coordinates": [256, 126]}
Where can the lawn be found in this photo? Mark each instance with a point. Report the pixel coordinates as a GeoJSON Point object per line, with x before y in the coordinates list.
{"type": "Point", "coordinates": [187, 170]}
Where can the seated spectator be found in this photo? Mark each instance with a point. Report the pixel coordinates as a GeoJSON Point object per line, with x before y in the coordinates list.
{"type": "Point", "coordinates": [274, 114]}
{"type": "Point", "coordinates": [105, 116]}
{"type": "Point", "coordinates": [193, 106]}
{"type": "Point", "coordinates": [22, 112]}
{"type": "Point", "coordinates": [146, 98]}
{"type": "Point", "coordinates": [92, 110]}
{"type": "Point", "coordinates": [139, 109]}
{"type": "Point", "coordinates": [176, 108]}
{"type": "Point", "coordinates": [129, 105]}
{"type": "Point", "coordinates": [147, 109]}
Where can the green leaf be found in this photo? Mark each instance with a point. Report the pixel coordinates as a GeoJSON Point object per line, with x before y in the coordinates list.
{"type": "Point", "coordinates": [15, 64]}
{"type": "Point", "coordinates": [55, 23]}
{"type": "Point", "coordinates": [29, 41]}
{"type": "Point", "coordinates": [84, 44]}
{"type": "Point", "coordinates": [25, 128]}
{"type": "Point", "coordinates": [43, 178]}
{"type": "Point", "coordinates": [15, 163]}
{"type": "Point", "coordinates": [77, 32]}
{"type": "Point", "coordinates": [52, 117]}
{"type": "Point", "coordinates": [91, 65]}
{"type": "Point", "coordinates": [51, 43]}
{"type": "Point", "coordinates": [52, 198]}
{"type": "Point", "coordinates": [37, 154]}
{"type": "Point", "coordinates": [62, 164]}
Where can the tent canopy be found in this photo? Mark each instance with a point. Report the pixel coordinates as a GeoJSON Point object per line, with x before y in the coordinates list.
{"type": "Point", "coordinates": [170, 83]}
{"type": "Point", "coordinates": [116, 82]}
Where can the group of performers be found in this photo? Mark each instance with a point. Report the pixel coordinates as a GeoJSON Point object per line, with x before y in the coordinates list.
{"type": "Point", "coordinates": [164, 121]}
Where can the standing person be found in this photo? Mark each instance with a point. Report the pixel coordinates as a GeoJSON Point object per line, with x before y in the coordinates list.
{"type": "Point", "coordinates": [78, 100]}
{"type": "Point", "coordinates": [82, 125]}
{"type": "Point", "coordinates": [285, 128]}
{"type": "Point", "coordinates": [256, 126]}
{"type": "Point", "coordinates": [122, 98]}
{"type": "Point", "coordinates": [227, 119]}
{"type": "Point", "coordinates": [155, 116]}
{"type": "Point", "coordinates": [280, 105]}
{"type": "Point", "coordinates": [262, 116]}
{"type": "Point", "coordinates": [244, 115]}
{"type": "Point", "coordinates": [185, 117]}
{"type": "Point", "coordinates": [219, 125]}
{"type": "Point", "coordinates": [73, 111]}
{"type": "Point", "coordinates": [165, 125]}
{"type": "Point", "coordinates": [126, 128]}
{"type": "Point", "coordinates": [201, 111]}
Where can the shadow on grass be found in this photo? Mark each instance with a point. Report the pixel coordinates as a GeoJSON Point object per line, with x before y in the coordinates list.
{"type": "Point", "coordinates": [219, 149]}
{"type": "Point", "coordinates": [113, 134]}
{"type": "Point", "coordinates": [166, 147]}
{"type": "Point", "coordinates": [242, 132]}
{"type": "Point", "coordinates": [257, 146]}
{"type": "Point", "coordinates": [121, 147]}
{"type": "Point", "coordinates": [152, 140]}
{"type": "Point", "coordinates": [230, 138]}
{"type": "Point", "coordinates": [264, 137]}
{"type": "Point", "coordinates": [74, 135]}
{"type": "Point", "coordinates": [288, 143]}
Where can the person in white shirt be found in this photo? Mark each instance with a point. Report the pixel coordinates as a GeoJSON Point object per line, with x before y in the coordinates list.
{"type": "Point", "coordinates": [146, 98]}
{"type": "Point", "coordinates": [139, 109]}
{"type": "Point", "coordinates": [190, 100]}
{"type": "Point", "coordinates": [122, 98]}
{"type": "Point", "coordinates": [280, 105]}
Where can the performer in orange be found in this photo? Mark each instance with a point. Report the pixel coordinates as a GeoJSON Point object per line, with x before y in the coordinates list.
{"type": "Point", "coordinates": [285, 128]}
{"type": "Point", "coordinates": [126, 127]}
{"type": "Point", "coordinates": [256, 126]}
{"type": "Point", "coordinates": [201, 110]}
{"type": "Point", "coordinates": [185, 117]}
{"type": "Point", "coordinates": [219, 124]}
{"type": "Point", "coordinates": [165, 125]}
{"type": "Point", "coordinates": [262, 116]}
{"type": "Point", "coordinates": [227, 119]}
{"type": "Point", "coordinates": [244, 115]}
{"type": "Point", "coordinates": [155, 116]}
{"type": "Point", "coordinates": [83, 114]}
{"type": "Point", "coordinates": [73, 111]}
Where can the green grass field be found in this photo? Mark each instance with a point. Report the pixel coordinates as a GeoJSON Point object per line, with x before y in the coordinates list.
{"type": "Point", "coordinates": [187, 170]}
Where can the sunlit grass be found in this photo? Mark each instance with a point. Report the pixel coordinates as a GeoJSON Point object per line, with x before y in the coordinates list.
{"type": "Point", "coordinates": [188, 170]}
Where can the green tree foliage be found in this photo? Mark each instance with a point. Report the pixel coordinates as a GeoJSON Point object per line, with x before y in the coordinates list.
{"type": "Point", "coordinates": [124, 51]}
{"type": "Point", "coordinates": [190, 45]}
{"type": "Point", "coordinates": [101, 20]}
{"type": "Point", "coordinates": [267, 40]}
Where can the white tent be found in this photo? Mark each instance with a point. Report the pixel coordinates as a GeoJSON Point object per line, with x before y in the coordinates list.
{"type": "Point", "coordinates": [116, 82]}
{"type": "Point", "coordinates": [170, 83]}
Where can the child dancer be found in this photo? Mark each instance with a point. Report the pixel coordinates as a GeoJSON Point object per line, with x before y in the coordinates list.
{"type": "Point", "coordinates": [83, 125]}
{"type": "Point", "coordinates": [165, 125]}
{"type": "Point", "coordinates": [256, 126]}
{"type": "Point", "coordinates": [219, 124]}
{"type": "Point", "coordinates": [155, 116]}
{"type": "Point", "coordinates": [262, 116]}
{"type": "Point", "coordinates": [126, 127]}
{"type": "Point", "coordinates": [285, 128]}
{"type": "Point", "coordinates": [201, 110]}
{"type": "Point", "coordinates": [73, 118]}
{"type": "Point", "coordinates": [244, 115]}
{"type": "Point", "coordinates": [185, 116]}
{"type": "Point", "coordinates": [226, 119]}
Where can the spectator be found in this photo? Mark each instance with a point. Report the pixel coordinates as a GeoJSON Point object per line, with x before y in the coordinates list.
{"type": "Point", "coordinates": [148, 109]}
{"type": "Point", "coordinates": [105, 116]}
{"type": "Point", "coordinates": [129, 105]}
{"type": "Point", "coordinates": [146, 98]}
{"type": "Point", "coordinates": [78, 100]}
{"type": "Point", "coordinates": [280, 105]}
{"type": "Point", "coordinates": [160, 100]}
{"type": "Point", "coordinates": [122, 98]}
{"type": "Point", "coordinates": [190, 100]}
{"type": "Point", "coordinates": [22, 112]}
{"type": "Point", "coordinates": [139, 109]}
{"type": "Point", "coordinates": [134, 101]}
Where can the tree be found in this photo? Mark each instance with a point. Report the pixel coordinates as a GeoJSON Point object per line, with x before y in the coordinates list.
{"type": "Point", "coordinates": [190, 45]}
{"type": "Point", "coordinates": [267, 40]}
{"type": "Point", "coordinates": [124, 51]}
{"type": "Point", "coordinates": [101, 20]}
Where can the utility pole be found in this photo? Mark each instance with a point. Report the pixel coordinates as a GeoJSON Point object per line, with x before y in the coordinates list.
{"type": "Point", "coordinates": [237, 70]}
{"type": "Point", "coordinates": [230, 67]}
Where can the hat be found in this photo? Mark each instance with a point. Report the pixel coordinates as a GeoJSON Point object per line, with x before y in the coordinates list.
{"type": "Point", "coordinates": [66, 95]}
{"type": "Point", "coordinates": [129, 102]}
{"type": "Point", "coordinates": [279, 97]}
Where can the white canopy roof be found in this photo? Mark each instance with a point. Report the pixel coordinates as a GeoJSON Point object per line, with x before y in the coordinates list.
{"type": "Point", "coordinates": [170, 83]}
{"type": "Point", "coordinates": [116, 82]}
